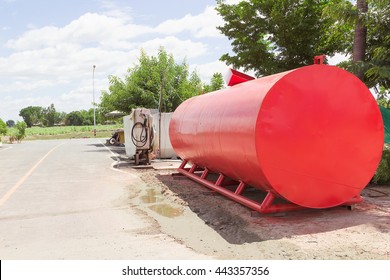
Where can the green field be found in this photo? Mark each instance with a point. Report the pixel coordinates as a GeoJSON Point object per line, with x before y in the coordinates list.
{"type": "Point", "coordinates": [68, 132]}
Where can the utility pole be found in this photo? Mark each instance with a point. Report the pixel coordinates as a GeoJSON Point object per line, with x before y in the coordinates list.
{"type": "Point", "coordinates": [93, 94]}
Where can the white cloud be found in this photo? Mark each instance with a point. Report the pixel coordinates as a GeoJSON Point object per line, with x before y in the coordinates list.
{"type": "Point", "coordinates": [82, 95]}
{"type": "Point", "coordinates": [90, 28]}
{"type": "Point", "coordinates": [179, 48]}
{"type": "Point", "coordinates": [202, 25]}
{"type": "Point", "coordinates": [207, 70]}
{"type": "Point", "coordinates": [29, 85]}
{"type": "Point", "coordinates": [112, 9]}
{"type": "Point", "coordinates": [10, 105]}
{"type": "Point", "coordinates": [233, 2]}
{"type": "Point", "coordinates": [337, 58]}
{"type": "Point", "coordinates": [31, 26]}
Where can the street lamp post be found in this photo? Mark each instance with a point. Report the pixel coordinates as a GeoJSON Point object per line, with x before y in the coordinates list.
{"type": "Point", "coordinates": [93, 93]}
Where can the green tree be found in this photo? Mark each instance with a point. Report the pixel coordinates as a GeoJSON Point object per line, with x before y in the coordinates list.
{"type": "Point", "coordinates": [61, 117]}
{"type": "Point", "coordinates": [216, 83]}
{"type": "Point", "coordinates": [21, 130]}
{"type": "Point", "coordinates": [50, 116]}
{"type": "Point", "coordinates": [3, 128]}
{"type": "Point", "coordinates": [155, 82]}
{"type": "Point", "coordinates": [31, 115]}
{"type": "Point", "coordinates": [360, 37]}
{"type": "Point", "coordinates": [10, 123]}
{"type": "Point", "coordinates": [74, 118]}
{"type": "Point", "coordinates": [270, 36]}
{"type": "Point", "coordinates": [369, 48]}
{"type": "Point", "coordinates": [83, 117]}
{"type": "Point", "coordinates": [383, 97]}
{"type": "Point", "coordinates": [87, 117]}
{"type": "Point", "coordinates": [368, 20]}
{"type": "Point", "coordinates": [377, 60]}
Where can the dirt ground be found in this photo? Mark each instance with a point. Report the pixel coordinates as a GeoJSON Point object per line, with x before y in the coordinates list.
{"type": "Point", "coordinates": [216, 226]}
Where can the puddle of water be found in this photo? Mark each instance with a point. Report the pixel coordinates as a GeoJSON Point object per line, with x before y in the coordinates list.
{"type": "Point", "coordinates": [151, 196]}
{"type": "Point", "coordinates": [166, 210]}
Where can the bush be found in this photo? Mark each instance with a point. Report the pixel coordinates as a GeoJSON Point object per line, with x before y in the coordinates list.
{"type": "Point", "coordinates": [382, 174]}
{"type": "Point", "coordinates": [12, 136]}
{"type": "Point", "coordinates": [21, 130]}
{"type": "Point", "coordinates": [3, 128]}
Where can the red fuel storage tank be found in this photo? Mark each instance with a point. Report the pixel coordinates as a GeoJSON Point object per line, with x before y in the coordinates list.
{"type": "Point", "coordinates": [313, 136]}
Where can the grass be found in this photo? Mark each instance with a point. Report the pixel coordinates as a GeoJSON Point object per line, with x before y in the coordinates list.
{"type": "Point", "coordinates": [68, 132]}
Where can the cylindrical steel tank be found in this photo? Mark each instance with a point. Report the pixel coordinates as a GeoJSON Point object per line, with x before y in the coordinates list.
{"type": "Point", "coordinates": [313, 135]}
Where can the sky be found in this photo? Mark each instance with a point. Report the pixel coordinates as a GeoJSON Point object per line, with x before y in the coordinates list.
{"type": "Point", "coordinates": [48, 48]}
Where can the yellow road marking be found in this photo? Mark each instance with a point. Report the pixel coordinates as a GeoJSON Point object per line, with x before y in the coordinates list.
{"type": "Point", "coordinates": [24, 178]}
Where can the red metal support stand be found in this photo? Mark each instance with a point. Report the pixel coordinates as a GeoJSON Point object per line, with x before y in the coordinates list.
{"type": "Point", "coordinates": [266, 206]}
{"type": "Point", "coordinates": [205, 173]}
{"type": "Point", "coordinates": [240, 189]}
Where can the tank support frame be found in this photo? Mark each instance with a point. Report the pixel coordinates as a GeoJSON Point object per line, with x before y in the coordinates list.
{"type": "Point", "coordinates": [267, 206]}
{"type": "Point", "coordinates": [219, 186]}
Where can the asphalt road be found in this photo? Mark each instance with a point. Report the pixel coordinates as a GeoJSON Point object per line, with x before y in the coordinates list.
{"type": "Point", "coordinates": [63, 200]}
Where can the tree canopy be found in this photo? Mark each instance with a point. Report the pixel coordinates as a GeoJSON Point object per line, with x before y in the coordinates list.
{"type": "Point", "coordinates": [216, 83]}
{"type": "Point", "coordinates": [377, 62]}
{"type": "Point", "coordinates": [83, 117]}
{"type": "Point", "coordinates": [10, 123]}
{"type": "Point", "coordinates": [155, 82]}
{"type": "Point", "coordinates": [50, 116]}
{"type": "Point", "coordinates": [373, 59]}
{"type": "Point", "coordinates": [37, 115]}
{"type": "Point", "coordinates": [3, 128]}
{"type": "Point", "coordinates": [31, 115]}
{"type": "Point", "coordinates": [270, 36]}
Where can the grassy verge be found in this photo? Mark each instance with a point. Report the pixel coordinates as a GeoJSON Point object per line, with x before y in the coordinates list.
{"type": "Point", "coordinates": [69, 132]}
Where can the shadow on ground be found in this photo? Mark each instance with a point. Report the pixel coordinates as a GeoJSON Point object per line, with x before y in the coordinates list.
{"type": "Point", "coordinates": [238, 224]}
{"type": "Point", "coordinates": [116, 149]}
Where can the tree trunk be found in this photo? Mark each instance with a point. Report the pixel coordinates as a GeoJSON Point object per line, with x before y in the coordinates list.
{"type": "Point", "coordinates": [360, 38]}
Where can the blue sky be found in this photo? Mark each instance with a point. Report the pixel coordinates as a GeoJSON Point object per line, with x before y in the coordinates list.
{"type": "Point", "coordinates": [48, 48]}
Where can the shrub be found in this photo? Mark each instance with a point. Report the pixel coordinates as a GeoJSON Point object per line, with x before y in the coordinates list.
{"type": "Point", "coordinates": [21, 130]}
{"type": "Point", "coordinates": [3, 128]}
{"type": "Point", "coordinates": [11, 137]}
{"type": "Point", "coordinates": [382, 174]}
